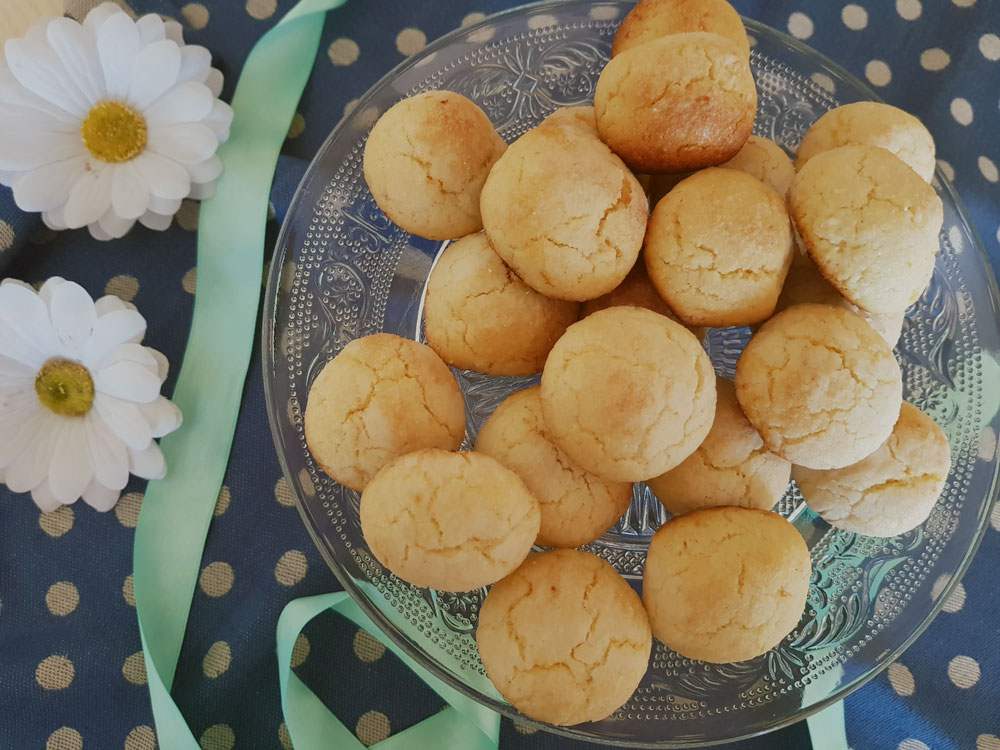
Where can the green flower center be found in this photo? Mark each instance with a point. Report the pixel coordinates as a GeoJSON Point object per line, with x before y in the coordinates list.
{"type": "Point", "coordinates": [65, 387]}
{"type": "Point", "coordinates": [114, 132]}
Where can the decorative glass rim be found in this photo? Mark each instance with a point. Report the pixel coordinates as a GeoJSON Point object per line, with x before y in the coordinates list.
{"type": "Point", "coordinates": [413, 650]}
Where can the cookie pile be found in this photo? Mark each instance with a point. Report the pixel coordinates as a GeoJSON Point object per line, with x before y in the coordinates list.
{"type": "Point", "coordinates": [820, 258]}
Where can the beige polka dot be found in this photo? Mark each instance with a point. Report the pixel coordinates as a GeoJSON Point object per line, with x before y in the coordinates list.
{"type": "Point", "coordinates": [343, 51]}
{"type": "Point", "coordinates": [196, 15]}
{"type": "Point", "coordinates": [955, 238]}
{"type": "Point", "coordinates": [6, 236]}
{"type": "Point", "coordinates": [878, 73]}
{"type": "Point", "coordinates": [62, 598]}
{"type": "Point", "coordinates": [216, 579]}
{"type": "Point", "coordinates": [64, 738]}
{"type": "Point", "coordinates": [187, 215]}
{"type": "Point", "coordinates": [127, 509]}
{"type": "Point", "coordinates": [291, 568]}
{"type": "Point", "coordinates": [300, 651]}
{"type": "Point", "coordinates": [987, 444]}
{"type": "Point", "coordinates": [298, 126]}
{"type": "Point", "coordinates": [912, 744]}
{"type": "Point", "coordinates": [283, 493]}
{"type": "Point", "coordinates": [751, 40]}
{"type": "Point", "coordinates": [934, 58]}
{"type": "Point", "coordinates": [963, 671]}
{"type": "Point", "coordinates": [306, 483]}
{"type": "Point", "coordinates": [541, 21]}
{"type": "Point", "coordinates": [854, 17]}
{"type": "Point", "coordinates": [961, 110]}
{"type": "Point", "coordinates": [128, 590]}
{"type": "Point", "coordinates": [987, 742]}
{"type": "Point", "coordinates": [261, 9]}
{"type": "Point", "coordinates": [964, 3]}
{"type": "Point", "coordinates": [368, 117]}
{"type": "Point", "coordinates": [947, 169]}
{"type": "Point", "coordinates": [216, 660]}
{"type": "Point", "coordinates": [58, 522]}
{"type": "Point", "coordinates": [472, 18]}
{"type": "Point", "coordinates": [988, 168]}
{"type": "Point", "coordinates": [134, 668]}
{"type": "Point", "coordinates": [141, 737]}
{"type": "Point", "coordinates": [372, 727]}
{"type": "Point", "coordinates": [522, 728]}
{"type": "Point", "coordinates": [995, 513]}
{"type": "Point", "coordinates": [190, 281]}
{"type": "Point", "coordinates": [901, 679]}
{"type": "Point", "coordinates": [367, 648]}
{"type": "Point", "coordinates": [989, 45]}
{"type": "Point", "coordinates": [349, 107]}
{"type": "Point", "coordinates": [955, 600]}
{"type": "Point", "coordinates": [824, 82]}
{"type": "Point", "coordinates": [483, 35]}
{"type": "Point", "coordinates": [800, 25]}
{"type": "Point", "coordinates": [55, 672]}
{"type": "Point", "coordinates": [222, 503]}
{"type": "Point", "coordinates": [603, 13]}
{"type": "Point", "coordinates": [123, 286]}
{"type": "Point", "coordinates": [218, 737]}
{"type": "Point", "coordinates": [283, 737]}
{"type": "Point", "coordinates": [410, 41]}
{"type": "Point", "coordinates": [909, 10]}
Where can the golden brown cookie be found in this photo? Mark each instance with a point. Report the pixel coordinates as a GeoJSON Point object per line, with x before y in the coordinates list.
{"type": "Point", "coordinates": [725, 584]}
{"type": "Point", "coordinates": [426, 160]}
{"type": "Point", "coordinates": [449, 521]}
{"type": "Point", "coordinates": [478, 315]}
{"type": "Point", "coordinates": [821, 387]}
{"type": "Point", "coordinates": [381, 397]}
{"type": "Point", "coordinates": [652, 19]}
{"type": "Point", "coordinates": [579, 117]}
{"type": "Point", "coordinates": [577, 506]}
{"type": "Point", "coordinates": [564, 638]}
{"type": "Point", "coordinates": [677, 103]}
{"type": "Point", "coordinates": [718, 248]}
{"type": "Point", "coordinates": [731, 467]}
{"type": "Point", "coordinates": [870, 223]}
{"type": "Point", "coordinates": [565, 213]}
{"type": "Point", "coordinates": [891, 491]}
{"type": "Point", "coordinates": [628, 394]}
{"type": "Point", "coordinates": [767, 161]}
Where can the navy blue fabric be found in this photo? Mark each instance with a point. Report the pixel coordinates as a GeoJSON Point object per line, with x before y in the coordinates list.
{"type": "Point", "coordinates": [921, 703]}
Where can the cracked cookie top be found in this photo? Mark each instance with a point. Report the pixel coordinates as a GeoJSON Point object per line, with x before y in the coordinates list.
{"type": "Point", "coordinates": [767, 161]}
{"type": "Point", "coordinates": [449, 521]}
{"type": "Point", "coordinates": [820, 385]}
{"type": "Point", "coordinates": [426, 160]}
{"type": "Point", "coordinates": [891, 491]}
{"type": "Point", "coordinates": [725, 584]}
{"type": "Point", "coordinates": [381, 397]}
{"type": "Point", "coordinates": [652, 19]}
{"type": "Point", "coordinates": [564, 638]}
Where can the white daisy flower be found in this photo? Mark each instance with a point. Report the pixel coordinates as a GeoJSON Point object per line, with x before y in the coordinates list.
{"type": "Point", "coordinates": [80, 401]}
{"type": "Point", "coordinates": [109, 122]}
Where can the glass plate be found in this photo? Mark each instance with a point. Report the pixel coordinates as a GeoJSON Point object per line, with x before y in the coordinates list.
{"type": "Point", "coordinates": [342, 270]}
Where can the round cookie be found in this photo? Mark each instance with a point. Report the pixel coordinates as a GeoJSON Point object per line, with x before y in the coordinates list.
{"type": "Point", "coordinates": [381, 397]}
{"type": "Point", "coordinates": [718, 248]}
{"type": "Point", "coordinates": [448, 521]}
{"type": "Point", "coordinates": [891, 491]}
{"type": "Point", "coordinates": [725, 584]}
{"type": "Point", "coordinates": [564, 638]}
{"type": "Point", "coordinates": [578, 117]}
{"type": "Point", "coordinates": [677, 103]}
{"type": "Point", "coordinates": [731, 467]}
{"type": "Point", "coordinates": [426, 160]}
{"type": "Point", "coordinates": [821, 387]}
{"type": "Point", "coordinates": [577, 506]}
{"type": "Point", "coordinates": [652, 19]}
{"type": "Point", "coordinates": [872, 124]}
{"type": "Point", "coordinates": [628, 394]}
{"type": "Point", "coordinates": [478, 315]}
{"type": "Point", "coordinates": [767, 161]}
{"type": "Point", "coordinates": [564, 213]}
{"type": "Point", "coordinates": [870, 223]}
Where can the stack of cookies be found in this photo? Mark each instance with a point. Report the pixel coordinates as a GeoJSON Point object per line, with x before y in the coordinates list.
{"type": "Point", "coordinates": [821, 258]}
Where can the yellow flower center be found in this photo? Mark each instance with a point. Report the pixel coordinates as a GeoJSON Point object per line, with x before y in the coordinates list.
{"type": "Point", "coordinates": [114, 132]}
{"type": "Point", "coordinates": [65, 387]}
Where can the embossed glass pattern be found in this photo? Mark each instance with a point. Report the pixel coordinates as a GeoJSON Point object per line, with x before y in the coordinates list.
{"type": "Point", "coordinates": [343, 270]}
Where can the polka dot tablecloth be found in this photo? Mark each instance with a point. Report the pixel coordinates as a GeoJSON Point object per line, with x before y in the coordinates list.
{"type": "Point", "coordinates": [71, 671]}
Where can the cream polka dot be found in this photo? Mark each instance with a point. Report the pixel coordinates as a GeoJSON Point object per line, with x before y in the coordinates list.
{"type": "Point", "coordinates": [300, 651]}
{"type": "Point", "coordinates": [218, 737]}
{"type": "Point", "coordinates": [909, 10]}
{"type": "Point", "coordinates": [854, 17]}
{"type": "Point", "coordinates": [522, 728]}
{"type": "Point", "coordinates": [934, 58]}
{"type": "Point", "coordinates": [995, 513]}
{"type": "Point", "coordinates": [62, 598]}
{"type": "Point", "coordinates": [141, 737]}
{"type": "Point", "coordinates": [283, 493]}
{"type": "Point", "coordinates": [373, 726]}
{"type": "Point", "coordinates": [961, 110]}
{"type": "Point", "coordinates": [751, 40]}
{"type": "Point", "coordinates": [410, 41]}
{"type": "Point", "coordinates": [196, 15]}
{"type": "Point", "coordinates": [283, 737]}
{"type": "Point", "coordinates": [963, 671]}
{"type": "Point", "coordinates": [947, 169]}
{"type": "Point", "coordinates": [127, 509]}
{"type": "Point", "coordinates": [988, 168]}
{"type": "Point", "coordinates": [343, 51]}
{"type": "Point", "coordinates": [306, 483]}
{"type": "Point", "coordinates": [55, 673]}
{"type": "Point", "coordinates": [216, 579]}
{"type": "Point", "coordinates": [349, 107]}
{"type": "Point", "coordinates": [541, 21]}
{"type": "Point", "coordinates": [603, 13]}
{"type": "Point", "coordinates": [128, 590]}
{"type": "Point", "coordinates": [261, 9]}
{"type": "Point", "coordinates": [368, 117]}
{"type": "Point", "coordinates": [955, 600]}
{"type": "Point", "coordinates": [187, 215]}
{"type": "Point", "coordinates": [800, 25]}
{"type": "Point", "coordinates": [824, 82]}
{"type": "Point", "coordinates": [216, 660]}
{"type": "Point", "coordinates": [878, 73]}
{"type": "Point", "coordinates": [472, 18]}
{"type": "Point", "coordinates": [64, 738]}
{"type": "Point", "coordinates": [123, 286]}
{"type": "Point", "coordinates": [964, 3]}
{"type": "Point", "coordinates": [291, 568]}
{"type": "Point", "coordinates": [189, 282]}
{"type": "Point", "coordinates": [912, 745]}
{"type": "Point", "coordinates": [222, 502]}
{"type": "Point", "coordinates": [956, 240]}
{"type": "Point", "coordinates": [989, 45]}
{"type": "Point", "coordinates": [58, 522]}
{"type": "Point", "coordinates": [298, 126]}
{"type": "Point", "coordinates": [987, 444]}
{"type": "Point", "coordinates": [987, 742]}
{"type": "Point", "coordinates": [901, 679]}
{"type": "Point", "coordinates": [483, 35]}
{"type": "Point", "coordinates": [367, 648]}
{"type": "Point", "coordinates": [6, 236]}
{"type": "Point", "coordinates": [134, 668]}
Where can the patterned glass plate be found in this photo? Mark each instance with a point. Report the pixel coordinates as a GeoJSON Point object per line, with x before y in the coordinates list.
{"type": "Point", "coordinates": [343, 270]}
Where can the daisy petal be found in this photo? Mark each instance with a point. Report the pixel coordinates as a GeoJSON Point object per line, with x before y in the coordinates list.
{"type": "Point", "coordinates": [77, 51]}
{"type": "Point", "coordinates": [220, 120]}
{"type": "Point", "coordinates": [164, 206]}
{"type": "Point", "coordinates": [118, 43]}
{"type": "Point", "coordinates": [155, 221]}
{"type": "Point", "coordinates": [108, 452]}
{"type": "Point", "coordinates": [25, 329]}
{"type": "Point", "coordinates": [44, 499]}
{"type": "Point", "coordinates": [186, 102]}
{"type": "Point", "coordinates": [55, 219]}
{"type": "Point", "coordinates": [162, 363]}
{"type": "Point", "coordinates": [89, 199]}
{"type": "Point", "coordinates": [155, 72]}
{"type": "Point", "coordinates": [129, 192]}
{"type": "Point", "coordinates": [111, 331]}
{"type": "Point", "coordinates": [148, 463]}
{"type": "Point", "coordinates": [129, 352]}
{"type": "Point", "coordinates": [187, 143]}
{"type": "Point", "coordinates": [49, 288]}
{"type": "Point", "coordinates": [214, 81]}
{"type": "Point", "coordinates": [19, 117]}
{"type": "Point", "coordinates": [128, 380]}
{"type": "Point", "coordinates": [98, 233]}
{"type": "Point", "coordinates": [33, 63]}
{"type": "Point", "coordinates": [73, 317]}
{"type": "Point", "coordinates": [196, 61]}
{"type": "Point", "coordinates": [202, 191]}
{"type": "Point", "coordinates": [70, 470]}
{"type": "Point", "coordinates": [20, 418]}
{"type": "Point", "coordinates": [150, 28]}
{"type": "Point", "coordinates": [165, 177]}
{"type": "Point", "coordinates": [124, 420]}
{"type": "Point", "coordinates": [109, 303]}
{"type": "Point", "coordinates": [21, 150]}
{"type": "Point", "coordinates": [113, 226]}
{"type": "Point", "coordinates": [30, 465]}
{"type": "Point", "coordinates": [163, 416]}
{"type": "Point", "coordinates": [100, 498]}
{"type": "Point", "coordinates": [208, 170]}
{"type": "Point", "coordinates": [48, 186]}
{"type": "Point", "coordinates": [12, 371]}
{"type": "Point", "coordinates": [100, 14]}
{"type": "Point", "coordinates": [174, 32]}
{"type": "Point", "coordinates": [14, 95]}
